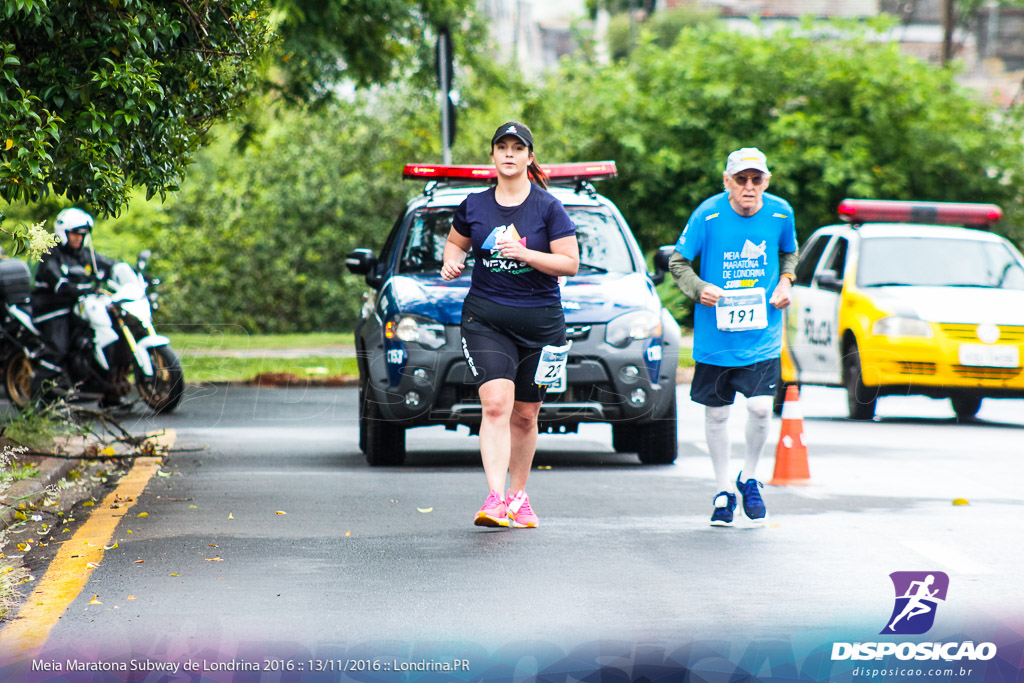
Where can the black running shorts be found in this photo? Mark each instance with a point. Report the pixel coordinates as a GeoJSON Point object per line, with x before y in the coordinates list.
{"type": "Point", "coordinates": [716, 386]}
{"type": "Point", "coordinates": [504, 342]}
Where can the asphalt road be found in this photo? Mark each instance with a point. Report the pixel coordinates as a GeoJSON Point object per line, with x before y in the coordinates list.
{"type": "Point", "coordinates": [381, 562]}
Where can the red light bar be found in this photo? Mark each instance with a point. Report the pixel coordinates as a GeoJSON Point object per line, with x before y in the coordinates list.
{"type": "Point", "coordinates": [943, 213]}
{"type": "Point", "coordinates": [558, 173]}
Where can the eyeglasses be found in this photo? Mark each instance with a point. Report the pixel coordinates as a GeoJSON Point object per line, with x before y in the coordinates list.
{"type": "Point", "coordinates": [756, 179]}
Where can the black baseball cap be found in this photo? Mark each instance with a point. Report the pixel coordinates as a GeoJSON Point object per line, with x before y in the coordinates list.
{"type": "Point", "coordinates": [515, 129]}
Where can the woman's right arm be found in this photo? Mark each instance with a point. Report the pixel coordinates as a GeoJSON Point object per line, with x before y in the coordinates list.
{"type": "Point", "coordinates": [455, 250]}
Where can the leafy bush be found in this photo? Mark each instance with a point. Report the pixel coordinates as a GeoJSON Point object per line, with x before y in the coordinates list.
{"type": "Point", "coordinates": [837, 118]}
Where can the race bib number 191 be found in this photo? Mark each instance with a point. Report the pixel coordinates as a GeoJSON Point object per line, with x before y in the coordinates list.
{"type": "Point", "coordinates": [743, 309]}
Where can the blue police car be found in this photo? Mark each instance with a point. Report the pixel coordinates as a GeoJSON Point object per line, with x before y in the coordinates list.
{"type": "Point", "coordinates": [412, 372]}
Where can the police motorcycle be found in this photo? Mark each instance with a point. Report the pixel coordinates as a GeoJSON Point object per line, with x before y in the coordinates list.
{"type": "Point", "coordinates": [113, 343]}
{"type": "Point", "coordinates": [123, 342]}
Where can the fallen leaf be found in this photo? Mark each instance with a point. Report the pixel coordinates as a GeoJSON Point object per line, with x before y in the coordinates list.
{"type": "Point", "coordinates": [24, 547]}
{"type": "Point", "coordinates": [88, 503]}
{"type": "Point", "coordinates": [213, 545]}
{"type": "Point", "coordinates": [129, 530]}
{"type": "Point", "coordinates": [280, 512]}
{"type": "Point", "coordinates": [21, 516]}
{"type": "Point", "coordinates": [348, 533]}
{"type": "Point", "coordinates": [230, 516]}
{"type": "Point", "coordinates": [161, 473]}
{"type": "Point", "coordinates": [131, 597]}
{"type": "Point", "coordinates": [92, 565]}
{"type": "Point", "coordinates": [394, 500]}
{"type": "Point", "coordinates": [173, 574]}
{"type": "Point", "coordinates": [142, 514]}
{"type": "Point", "coordinates": [425, 510]}
{"type": "Point", "coordinates": [95, 600]}
{"type": "Point", "coordinates": [192, 507]}
{"type": "Point", "coordinates": [214, 559]}
{"type": "Point", "coordinates": [139, 561]}
{"type": "Point", "coordinates": [110, 547]}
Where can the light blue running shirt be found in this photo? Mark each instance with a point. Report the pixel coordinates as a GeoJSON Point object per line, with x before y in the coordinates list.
{"type": "Point", "coordinates": [738, 252]}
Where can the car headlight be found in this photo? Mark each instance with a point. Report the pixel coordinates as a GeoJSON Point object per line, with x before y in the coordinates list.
{"type": "Point", "coordinates": [636, 325]}
{"type": "Point", "coordinates": [415, 328]}
{"type": "Point", "coordinates": [900, 326]}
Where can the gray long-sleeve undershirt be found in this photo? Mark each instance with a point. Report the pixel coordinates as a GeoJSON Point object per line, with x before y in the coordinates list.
{"type": "Point", "coordinates": [690, 283]}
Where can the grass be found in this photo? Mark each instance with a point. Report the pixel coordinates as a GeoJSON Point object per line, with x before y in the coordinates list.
{"type": "Point", "coordinates": [192, 342]}
{"type": "Point", "coordinates": [193, 350]}
{"type": "Point", "coordinates": [225, 369]}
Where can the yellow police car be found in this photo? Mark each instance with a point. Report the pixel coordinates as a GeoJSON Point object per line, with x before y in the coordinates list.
{"type": "Point", "coordinates": [908, 298]}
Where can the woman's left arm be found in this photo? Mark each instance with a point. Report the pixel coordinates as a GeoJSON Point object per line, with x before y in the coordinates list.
{"type": "Point", "coordinates": [564, 258]}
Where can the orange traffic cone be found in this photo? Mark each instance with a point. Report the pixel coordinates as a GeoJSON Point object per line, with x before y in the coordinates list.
{"type": "Point", "coordinates": [791, 453]}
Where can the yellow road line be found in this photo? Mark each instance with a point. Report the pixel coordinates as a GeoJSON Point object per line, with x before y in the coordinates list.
{"type": "Point", "coordinates": [70, 569]}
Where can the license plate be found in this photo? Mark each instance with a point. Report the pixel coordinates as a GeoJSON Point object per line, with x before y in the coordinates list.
{"type": "Point", "coordinates": [981, 355]}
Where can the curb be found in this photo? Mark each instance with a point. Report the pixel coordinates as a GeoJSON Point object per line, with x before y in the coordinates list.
{"type": "Point", "coordinates": [29, 491]}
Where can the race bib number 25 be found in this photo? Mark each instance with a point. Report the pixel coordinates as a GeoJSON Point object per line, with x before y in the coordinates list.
{"type": "Point", "coordinates": [743, 309]}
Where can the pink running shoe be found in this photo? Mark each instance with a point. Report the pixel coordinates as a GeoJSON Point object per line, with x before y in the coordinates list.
{"type": "Point", "coordinates": [520, 513]}
{"type": "Point", "coordinates": [493, 512]}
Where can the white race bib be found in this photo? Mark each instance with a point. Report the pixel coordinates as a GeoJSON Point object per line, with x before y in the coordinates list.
{"type": "Point", "coordinates": [551, 368]}
{"type": "Point", "coordinates": [742, 309]}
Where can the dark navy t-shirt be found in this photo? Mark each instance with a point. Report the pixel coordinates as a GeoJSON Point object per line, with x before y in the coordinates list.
{"type": "Point", "coordinates": [537, 222]}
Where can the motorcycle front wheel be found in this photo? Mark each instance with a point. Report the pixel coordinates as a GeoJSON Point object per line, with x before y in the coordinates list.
{"type": "Point", "coordinates": [161, 392]}
{"type": "Point", "coordinates": [18, 380]}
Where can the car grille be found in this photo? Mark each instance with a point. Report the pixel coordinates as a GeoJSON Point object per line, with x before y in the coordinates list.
{"type": "Point", "coordinates": [907, 367]}
{"type": "Point", "coordinates": [1008, 334]}
{"type": "Point", "coordinates": [573, 393]}
{"type": "Point", "coordinates": [971, 372]}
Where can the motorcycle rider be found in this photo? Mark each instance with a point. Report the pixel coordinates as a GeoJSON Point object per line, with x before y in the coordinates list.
{"type": "Point", "coordinates": [67, 272]}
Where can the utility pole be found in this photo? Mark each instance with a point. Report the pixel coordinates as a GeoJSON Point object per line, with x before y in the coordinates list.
{"type": "Point", "coordinates": [948, 21]}
{"type": "Point", "coordinates": [445, 72]}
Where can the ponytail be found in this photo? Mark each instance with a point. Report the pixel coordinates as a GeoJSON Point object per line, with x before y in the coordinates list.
{"type": "Point", "coordinates": [537, 174]}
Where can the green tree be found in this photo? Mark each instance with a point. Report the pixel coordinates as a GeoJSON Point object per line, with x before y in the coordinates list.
{"type": "Point", "coordinates": [325, 43]}
{"type": "Point", "coordinates": [837, 118]}
{"type": "Point", "coordinates": [96, 98]}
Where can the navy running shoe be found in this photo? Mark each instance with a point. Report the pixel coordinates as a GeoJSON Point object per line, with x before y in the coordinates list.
{"type": "Point", "coordinates": [725, 503]}
{"type": "Point", "coordinates": [753, 504]}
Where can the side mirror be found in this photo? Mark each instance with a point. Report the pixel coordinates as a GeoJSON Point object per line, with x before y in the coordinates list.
{"type": "Point", "coordinates": [661, 258]}
{"type": "Point", "coordinates": [828, 280]}
{"type": "Point", "coordinates": [363, 262]}
{"type": "Point", "coordinates": [360, 261]}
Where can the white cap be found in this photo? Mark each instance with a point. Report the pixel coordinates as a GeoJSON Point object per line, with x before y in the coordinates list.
{"type": "Point", "coordinates": [748, 157]}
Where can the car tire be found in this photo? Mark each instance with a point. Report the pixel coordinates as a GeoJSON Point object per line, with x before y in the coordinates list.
{"type": "Point", "coordinates": [965, 407]}
{"type": "Point", "coordinates": [384, 442]}
{"type": "Point", "coordinates": [860, 399]}
{"type": "Point", "coordinates": [655, 443]}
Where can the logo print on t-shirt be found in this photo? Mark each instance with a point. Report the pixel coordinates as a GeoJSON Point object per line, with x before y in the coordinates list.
{"type": "Point", "coordinates": [502, 230]}
{"type": "Point", "coordinates": [498, 263]}
{"type": "Point", "coordinates": [744, 268]}
{"type": "Point", "coordinates": [753, 251]}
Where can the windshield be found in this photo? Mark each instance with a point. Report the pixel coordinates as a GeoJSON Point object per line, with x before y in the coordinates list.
{"type": "Point", "coordinates": [602, 244]}
{"type": "Point", "coordinates": [894, 261]}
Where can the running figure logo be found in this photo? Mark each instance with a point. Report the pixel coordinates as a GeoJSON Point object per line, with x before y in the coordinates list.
{"type": "Point", "coordinates": [754, 251]}
{"type": "Point", "coordinates": [917, 597]}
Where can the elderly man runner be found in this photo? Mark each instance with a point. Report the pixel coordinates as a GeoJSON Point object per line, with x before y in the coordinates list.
{"type": "Point", "coordinates": [745, 239]}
